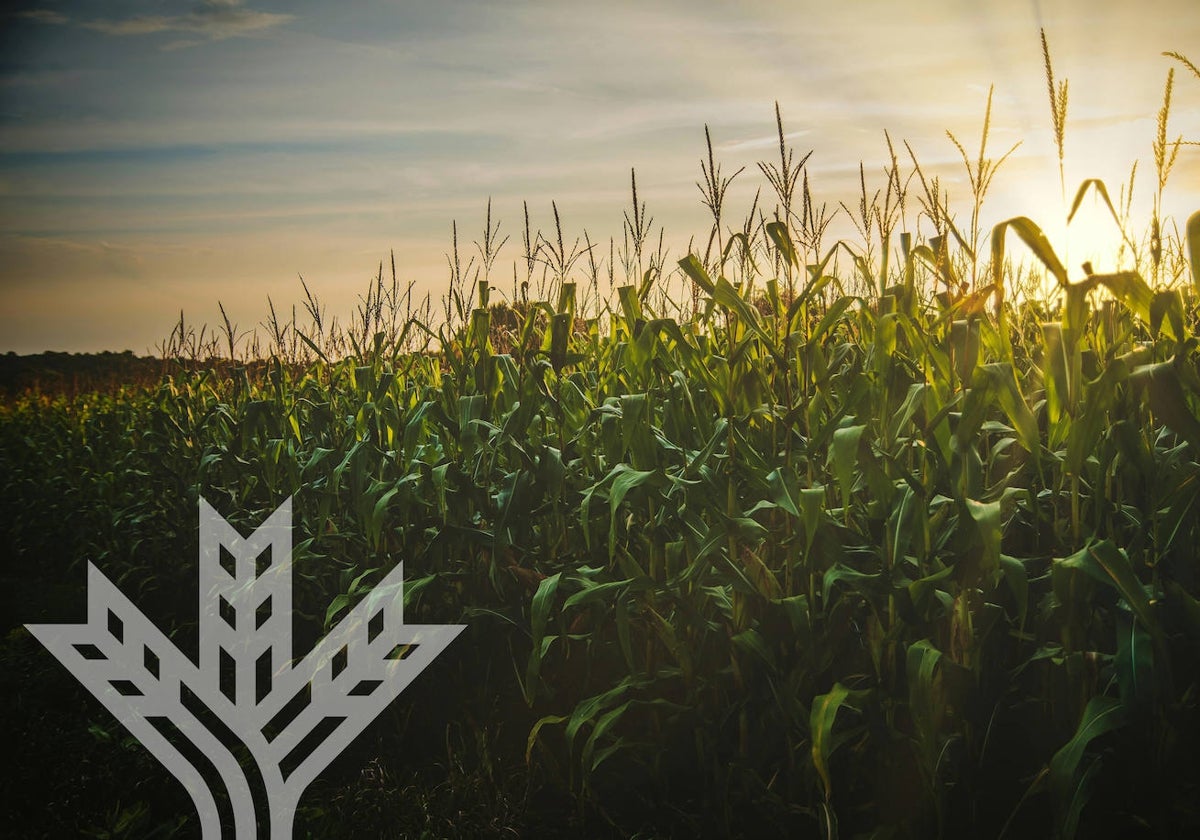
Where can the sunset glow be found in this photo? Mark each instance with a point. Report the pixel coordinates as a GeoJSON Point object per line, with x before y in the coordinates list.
{"type": "Point", "coordinates": [159, 155]}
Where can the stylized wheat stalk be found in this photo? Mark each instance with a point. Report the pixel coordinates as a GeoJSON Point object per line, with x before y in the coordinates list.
{"type": "Point", "coordinates": [293, 718]}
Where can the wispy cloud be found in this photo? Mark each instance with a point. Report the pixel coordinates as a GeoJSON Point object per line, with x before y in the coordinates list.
{"type": "Point", "coordinates": [44, 16]}
{"type": "Point", "coordinates": [766, 141]}
{"type": "Point", "coordinates": [211, 19]}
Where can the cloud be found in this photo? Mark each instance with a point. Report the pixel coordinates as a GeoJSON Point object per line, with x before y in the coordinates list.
{"type": "Point", "coordinates": [44, 16]}
{"type": "Point", "coordinates": [212, 19]}
{"type": "Point", "coordinates": [766, 141]}
{"type": "Point", "coordinates": [146, 25]}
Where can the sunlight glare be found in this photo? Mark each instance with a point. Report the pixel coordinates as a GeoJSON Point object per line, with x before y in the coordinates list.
{"type": "Point", "coordinates": [1092, 237]}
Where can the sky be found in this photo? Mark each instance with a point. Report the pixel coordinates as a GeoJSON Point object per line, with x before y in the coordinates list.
{"type": "Point", "coordinates": [158, 156]}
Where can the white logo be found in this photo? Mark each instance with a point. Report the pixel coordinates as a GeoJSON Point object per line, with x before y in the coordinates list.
{"type": "Point", "coordinates": [292, 717]}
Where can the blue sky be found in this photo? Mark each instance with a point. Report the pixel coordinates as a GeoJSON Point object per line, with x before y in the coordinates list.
{"type": "Point", "coordinates": [160, 155]}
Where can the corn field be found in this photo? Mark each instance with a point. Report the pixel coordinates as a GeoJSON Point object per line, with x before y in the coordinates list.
{"type": "Point", "coordinates": [786, 537]}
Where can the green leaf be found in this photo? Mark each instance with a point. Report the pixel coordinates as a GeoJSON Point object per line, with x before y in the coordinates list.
{"type": "Point", "coordinates": [919, 590]}
{"type": "Point", "coordinates": [727, 296]}
{"type": "Point", "coordinates": [1129, 288]}
{"type": "Point", "coordinates": [312, 346]}
{"type": "Point", "coordinates": [1033, 237]}
{"type": "Point", "coordinates": [1017, 578]}
{"type": "Point", "coordinates": [1193, 246]}
{"type": "Point", "coordinates": [799, 615]}
{"type": "Point", "coordinates": [335, 607]}
{"type": "Point", "coordinates": [586, 710]}
{"type": "Point", "coordinates": [694, 269]}
{"type": "Point", "coordinates": [759, 575]}
{"type": "Point", "coordinates": [821, 719]}
{"type": "Point", "coordinates": [636, 434]}
{"type": "Point", "coordinates": [597, 592]}
{"type": "Point", "coordinates": [631, 307]}
{"type": "Point", "coordinates": [1101, 190]}
{"type": "Point", "coordinates": [605, 722]}
{"type": "Point", "coordinates": [378, 514]}
{"type": "Point", "coordinates": [870, 586]}
{"type": "Point", "coordinates": [560, 332]}
{"type": "Point", "coordinates": [548, 720]}
{"type": "Point", "coordinates": [784, 491]}
{"type": "Point", "coordinates": [924, 702]}
{"type": "Point", "coordinates": [679, 651]}
{"type": "Point", "coordinates": [783, 242]}
{"type": "Point", "coordinates": [901, 521]}
{"type": "Point", "coordinates": [753, 642]}
{"type": "Point", "coordinates": [539, 612]}
{"type": "Point", "coordinates": [997, 382]}
{"type": "Point", "coordinates": [1059, 400]}
{"type": "Point", "coordinates": [1093, 420]}
{"type": "Point", "coordinates": [719, 436]}
{"type": "Point", "coordinates": [1103, 714]}
{"type": "Point", "coordinates": [1081, 792]}
{"type": "Point", "coordinates": [1107, 564]}
{"type": "Point", "coordinates": [1162, 384]}
{"type": "Point", "coordinates": [832, 316]}
{"type": "Point", "coordinates": [413, 588]}
{"type": "Point", "coordinates": [987, 520]}
{"type": "Point", "coordinates": [543, 600]}
{"type": "Point", "coordinates": [1167, 307]}
{"type": "Point", "coordinates": [812, 503]}
{"type": "Point", "coordinates": [1134, 662]}
{"type": "Point", "coordinates": [843, 453]}
{"type": "Point", "coordinates": [625, 480]}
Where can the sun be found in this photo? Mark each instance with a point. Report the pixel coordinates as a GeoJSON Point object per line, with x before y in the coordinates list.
{"type": "Point", "coordinates": [1090, 242]}
{"type": "Point", "coordinates": [1092, 238]}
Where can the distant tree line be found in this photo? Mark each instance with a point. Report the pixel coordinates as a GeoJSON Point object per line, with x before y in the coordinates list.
{"type": "Point", "coordinates": [55, 373]}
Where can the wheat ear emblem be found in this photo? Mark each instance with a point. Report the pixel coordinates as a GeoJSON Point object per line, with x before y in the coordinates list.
{"type": "Point", "coordinates": [293, 717]}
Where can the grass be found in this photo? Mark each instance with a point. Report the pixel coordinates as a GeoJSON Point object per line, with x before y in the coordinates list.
{"type": "Point", "coordinates": [795, 538]}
